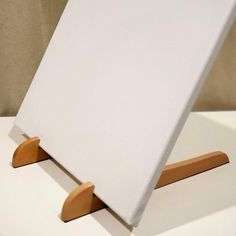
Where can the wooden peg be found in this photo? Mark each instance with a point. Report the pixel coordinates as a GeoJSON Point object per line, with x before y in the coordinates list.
{"type": "Point", "coordinates": [29, 152]}
{"type": "Point", "coordinates": [82, 201]}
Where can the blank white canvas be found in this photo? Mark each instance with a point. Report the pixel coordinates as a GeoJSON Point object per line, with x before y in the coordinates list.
{"type": "Point", "coordinates": [115, 86]}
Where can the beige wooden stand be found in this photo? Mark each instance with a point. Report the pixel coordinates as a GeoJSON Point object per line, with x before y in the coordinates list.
{"type": "Point", "coordinates": [82, 200]}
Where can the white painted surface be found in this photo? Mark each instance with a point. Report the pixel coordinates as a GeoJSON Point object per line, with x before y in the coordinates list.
{"type": "Point", "coordinates": [32, 196]}
{"type": "Point", "coordinates": [115, 86]}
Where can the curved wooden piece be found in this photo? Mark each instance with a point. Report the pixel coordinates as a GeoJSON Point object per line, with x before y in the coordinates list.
{"type": "Point", "coordinates": [29, 152]}
{"type": "Point", "coordinates": [183, 169]}
{"type": "Point", "coordinates": [80, 202]}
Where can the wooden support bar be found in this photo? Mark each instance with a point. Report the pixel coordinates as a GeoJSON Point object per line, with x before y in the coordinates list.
{"type": "Point", "coordinates": [184, 169]}
{"type": "Point", "coordinates": [29, 152]}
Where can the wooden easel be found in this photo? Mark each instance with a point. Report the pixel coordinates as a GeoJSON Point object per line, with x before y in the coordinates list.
{"type": "Point", "coordinates": [82, 200]}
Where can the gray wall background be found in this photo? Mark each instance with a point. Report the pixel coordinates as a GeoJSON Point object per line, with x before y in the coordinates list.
{"type": "Point", "coordinates": [26, 27]}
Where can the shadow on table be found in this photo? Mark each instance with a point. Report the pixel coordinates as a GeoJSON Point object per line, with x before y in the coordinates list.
{"type": "Point", "coordinates": [192, 198]}
{"type": "Point", "coordinates": [184, 201]}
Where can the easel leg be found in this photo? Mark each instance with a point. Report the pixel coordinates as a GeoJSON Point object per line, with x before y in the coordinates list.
{"type": "Point", "coordinates": [184, 169]}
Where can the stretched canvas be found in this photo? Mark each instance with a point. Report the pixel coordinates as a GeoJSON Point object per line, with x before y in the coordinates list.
{"type": "Point", "coordinates": [115, 86]}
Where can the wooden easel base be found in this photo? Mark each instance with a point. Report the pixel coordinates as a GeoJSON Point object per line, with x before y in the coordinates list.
{"type": "Point", "coordinates": [82, 201]}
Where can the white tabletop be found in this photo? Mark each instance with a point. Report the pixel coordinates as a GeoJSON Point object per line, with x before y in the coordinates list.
{"type": "Point", "coordinates": [32, 196]}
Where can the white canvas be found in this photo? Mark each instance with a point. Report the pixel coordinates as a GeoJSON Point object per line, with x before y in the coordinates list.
{"type": "Point", "coordinates": [115, 86]}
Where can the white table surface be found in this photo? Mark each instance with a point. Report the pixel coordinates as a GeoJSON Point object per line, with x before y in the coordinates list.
{"type": "Point", "coordinates": [31, 197]}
